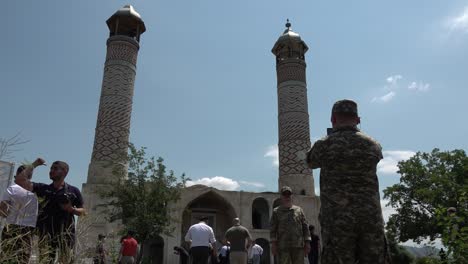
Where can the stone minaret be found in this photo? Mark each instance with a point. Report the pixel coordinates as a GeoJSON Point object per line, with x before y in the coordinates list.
{"type": "Point", "coordinates": [115, 110]}
{"type": "Point", "coordinates": [293, 115]}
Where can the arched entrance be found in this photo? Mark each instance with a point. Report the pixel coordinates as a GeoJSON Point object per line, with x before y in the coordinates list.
{"type": "Point", "coordinates": [265, 259]}
{"type": "Point", "coordinates": [212, 205]}
{"type": "Point", "coordinates": [260, 213]}
{"type": "Point", "coordinates": [153, 251]}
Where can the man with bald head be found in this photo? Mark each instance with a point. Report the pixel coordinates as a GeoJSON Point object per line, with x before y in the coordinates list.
{"type": "Point", "coordinates": [350, 213]}
{"type": "Point", "coordinates": [239, 237]}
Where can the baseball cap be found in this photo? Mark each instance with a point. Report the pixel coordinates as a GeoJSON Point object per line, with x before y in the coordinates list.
{"type": "Point", "coordinates": [286, 189]}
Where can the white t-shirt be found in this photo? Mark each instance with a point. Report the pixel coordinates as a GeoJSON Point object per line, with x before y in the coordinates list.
{"type": "Point", "coordinates": [22, 206]}
{"type": "Point", "coordinates": [255, 250]}
{"type": "Point", "coordinates": [223, 251]}
{"type": "Point", "coordinates": [201, 235]}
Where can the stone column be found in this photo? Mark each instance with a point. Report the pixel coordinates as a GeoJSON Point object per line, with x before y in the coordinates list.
{"type": "Point", "coordinates": [115, 109]}
{"type": "Point", "coordinates": [293, 115]}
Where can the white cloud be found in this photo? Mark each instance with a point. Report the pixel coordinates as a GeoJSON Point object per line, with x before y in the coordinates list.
{"type": "Point", "coordinates": [218, 182]}
{"type": "Point", "coordinates": [273, 152]}
{"type": "Point", "coordinates": [391, 86]}
{"type": "Point", "coordinates": [223, 183]}
{"type": "Point", "coordinates": [385, 98]}
{"type": "Point", "coordinates": [419, 86]}
{"type": "Point", "coordinates": [391, 158]}
{"type": "Point", "coordinates": [393, 80]}
{"type": "Point", "coordinates": [386, 210]}
{"type": "Point", "coordinates": [460, 22]}
{"type": "Point", "coordinates": [254, 184]}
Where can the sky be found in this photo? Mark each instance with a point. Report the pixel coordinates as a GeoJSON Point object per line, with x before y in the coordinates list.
{"type": "Point", "coordinates": [205, 92]}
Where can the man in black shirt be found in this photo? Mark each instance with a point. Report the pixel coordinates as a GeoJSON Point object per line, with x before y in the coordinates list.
{"type": "Point", "coordinates": [59, 202]}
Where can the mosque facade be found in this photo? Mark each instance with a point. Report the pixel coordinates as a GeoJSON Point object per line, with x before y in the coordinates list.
{"type": "Point", "coordinates": [253, 208]}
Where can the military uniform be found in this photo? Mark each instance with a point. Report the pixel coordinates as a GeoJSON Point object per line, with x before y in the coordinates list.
{"type": "Point", "coordinates": [350, 214]}
{"type": "Point", "coordinates": [288, 227]}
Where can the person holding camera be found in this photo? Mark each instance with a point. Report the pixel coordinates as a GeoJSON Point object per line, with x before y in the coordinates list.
{"type": "Point", "coordinates": [59, 202]}
{"type": "Point", "coordinates": [350, 213]}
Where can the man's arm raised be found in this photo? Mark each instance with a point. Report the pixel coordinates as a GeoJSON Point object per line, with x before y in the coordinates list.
{"type": "Point", "coordinates": [23, 179]}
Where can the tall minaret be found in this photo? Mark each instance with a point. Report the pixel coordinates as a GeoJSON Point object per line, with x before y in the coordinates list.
{"type": "Point", "coordinates": [293, 115]}
{"type": "Point", "coordinates": [115, 109]}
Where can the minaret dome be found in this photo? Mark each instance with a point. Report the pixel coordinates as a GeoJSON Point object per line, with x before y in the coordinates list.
{"type": "Point", "coordinates": [127, 22]}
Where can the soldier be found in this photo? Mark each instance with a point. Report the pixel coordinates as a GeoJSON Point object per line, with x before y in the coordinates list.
{"type": "Point", "coordinates": [289, 233]}
{"type": "Point", "coordinates": [350, 214]}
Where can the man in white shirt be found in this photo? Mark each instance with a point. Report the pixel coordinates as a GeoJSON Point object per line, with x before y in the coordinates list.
{"type": "Point", "coordinates": [255, 253]}
{"type": "Point", "coordinates": [224, 252]}
{"type": "Point", "coordinates": [200, 236]}
{"type": "Point", "coordinates": [20, 208]}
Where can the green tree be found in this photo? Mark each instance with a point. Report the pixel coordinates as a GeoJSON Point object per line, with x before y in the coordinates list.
{"type": "Point", "coordinates": [455, 232]}
{"type": "Point", "coordinates": [428, 260]}
{"type": "Point", "coordinates": [140, 195]}
{"type": "Point", "coordinates": [429, 184]}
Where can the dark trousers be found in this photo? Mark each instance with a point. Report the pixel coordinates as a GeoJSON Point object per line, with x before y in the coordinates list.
{"type": "Point", "coordinates": [56, 245]}
{"type": "Point", "coordinates": [16, 244]}
{"type": "Point", "coordinates": [200, 255]}
{"type": "Point", "coordinates": [223, 260]}
{"type": "Point", "coordinates": [313, 257]}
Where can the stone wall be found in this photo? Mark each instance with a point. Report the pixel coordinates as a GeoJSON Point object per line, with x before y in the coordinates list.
{"type": "Point", "coordinates": [241, 204]}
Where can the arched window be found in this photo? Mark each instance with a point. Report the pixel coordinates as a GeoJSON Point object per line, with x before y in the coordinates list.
{"type": "Point", "coordinates": [260, 214]}
{"type": "Point", "coordinates": [302, 192]}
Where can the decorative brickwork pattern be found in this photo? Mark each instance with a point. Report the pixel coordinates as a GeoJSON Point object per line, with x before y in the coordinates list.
{"type": "Point", "coordinates": [114, 111]}
{"type": "Point", "coordinates": [292, 99]}
{"type": "Point", "coordinates": [290, 161]}
{"type": "Point", "coordinates": [121, 50]}
{"type": "Point", "coordinates": [291, 71]}
{"type": "Point", "coordinates": [293, 126]}
{"type": "Point", "coordinates": [111, 142]}
{"type": "Point", "coordinates": [115, 107]}
{"type": "Point", "coordinates": [117, 80]}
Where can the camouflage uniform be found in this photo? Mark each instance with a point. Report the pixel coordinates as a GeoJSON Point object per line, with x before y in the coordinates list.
{"type": "Point", "coordinates": [288, 226]}
{"type": "Point", "coordinates": [350, 214]}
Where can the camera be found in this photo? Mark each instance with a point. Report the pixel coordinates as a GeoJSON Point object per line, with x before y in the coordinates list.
{"type": "Point", "coordinates": [66, 198]}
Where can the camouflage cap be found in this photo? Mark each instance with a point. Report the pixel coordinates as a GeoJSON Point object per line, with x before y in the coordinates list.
{"type": "Point", "coordinates": [286, 189]}
{"type": "Point", "coordinates": [345, 106]}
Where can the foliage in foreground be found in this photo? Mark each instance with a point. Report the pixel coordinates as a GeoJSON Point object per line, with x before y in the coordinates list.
{"type": "Point", "coordinates": [430, 183]}
{"type": "Point", "coordinates": [140, 197]}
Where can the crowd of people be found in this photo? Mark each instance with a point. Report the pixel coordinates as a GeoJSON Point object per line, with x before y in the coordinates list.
{"type": "Point", "coordinates": [128, 253]}
{"type": "Point", "coordinates": [45, 210]}
{"type": "Point", "coordinates": [352, 227]}
{"type": "Point", "coordinates": [292, 239]}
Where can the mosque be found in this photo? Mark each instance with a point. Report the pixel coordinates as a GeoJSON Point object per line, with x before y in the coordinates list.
{"type": "Point", "coordinates": [253, 208]}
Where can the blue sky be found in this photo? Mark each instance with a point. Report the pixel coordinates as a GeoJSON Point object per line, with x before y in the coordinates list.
{"type": "Point", "coordinates": [205, 93]}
